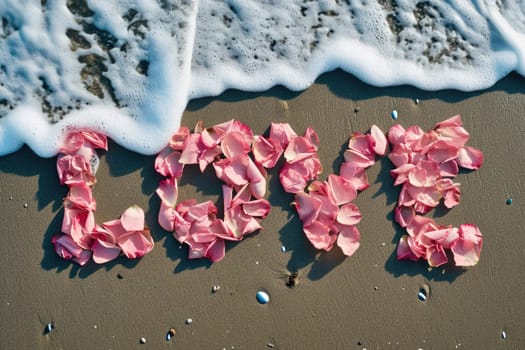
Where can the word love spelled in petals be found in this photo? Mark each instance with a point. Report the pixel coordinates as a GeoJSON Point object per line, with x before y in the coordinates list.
{"type": "Point", "coordinates": [228, 147]}
{"type": "Point", "coordinates": [425, 164]}
{"type": "Point", "coordinates": [81, 239]}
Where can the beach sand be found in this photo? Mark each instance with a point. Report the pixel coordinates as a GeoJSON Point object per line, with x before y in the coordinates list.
{"type": "Point", "coordinates": [369, 300]}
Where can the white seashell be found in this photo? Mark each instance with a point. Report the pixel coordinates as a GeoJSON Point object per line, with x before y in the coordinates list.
{"type": "Point", "coordinates": [262, 297]}
{"type": "Point", "coordinates": [142, 340]}
{"type": "Point", "coordinates": [170, 334]}
{"type": "Point", "coordinates": [215, 289]}
{"type": "Point", "coordinates": [49, 328]}
{"type": "Point", "coordinates": [189, 321]}
{"type": "Point", "coordinates": [422, 296]}
{"type": "Point", "coordinates": [503, 335]}
{"type": "Point", "coordinates": [283, 249]}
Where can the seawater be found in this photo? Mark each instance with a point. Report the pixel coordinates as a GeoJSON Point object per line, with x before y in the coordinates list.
{"type": "Point", "coordinates": [128, 68]}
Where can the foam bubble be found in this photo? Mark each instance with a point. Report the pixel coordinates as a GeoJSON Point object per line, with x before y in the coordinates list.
{"type": "Point", "coordinates": [128, 68]}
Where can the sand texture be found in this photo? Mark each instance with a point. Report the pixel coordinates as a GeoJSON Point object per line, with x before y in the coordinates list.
{"type": "Point", "coordinates": [367, 301]}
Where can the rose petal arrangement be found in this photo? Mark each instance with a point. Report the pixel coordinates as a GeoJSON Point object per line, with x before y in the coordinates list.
{"type": "Point", "coordinates": [227, 147]}
{"type": "Point", "coordinates": [425, 164]}
{"type": "Point", "coordinates": [324, 207]}
{"type": "Point", "coordinates": [81, 239]}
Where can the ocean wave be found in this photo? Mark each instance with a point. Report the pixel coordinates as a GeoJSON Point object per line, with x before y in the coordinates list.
{"type": "Point", "coordinates": [128, 68]}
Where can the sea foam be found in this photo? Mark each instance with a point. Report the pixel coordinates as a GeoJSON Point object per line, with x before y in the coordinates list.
{"type": "Point", "coordinates": [128, 68]}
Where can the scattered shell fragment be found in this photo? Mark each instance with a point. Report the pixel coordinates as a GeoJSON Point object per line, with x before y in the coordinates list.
{"type": "Point", "coordinates": [189, 321]}
{"type": "Point", "coordinates": [394, 114]}
{"type": "Point", "coordinates": [171, 333]}
{"type": "Point", "coordinates": [509, 201]}
{"type": "Point", "coordinates": [262, 297]}
{"type": "Point", "coordinates": [215, 289]}
{"type": "Point", "coordinates": [283, 248]}
{"type": "Point", "coordinates": [25, 205]}
{"type": "Point", "coordinates": [417, 101]}
{"type": "Point", "coordinates": [142, 340]}
{"type": "Point", "coordinates": [49, 327]}
{"type": "Point", "coordinates": [503, 335]}
{"type": "Point", "coordinates": [424, 292]}
{"type": "Point", "coordinates": [10, 198]}
{"type": "Point", "coordinates": [376, 287]}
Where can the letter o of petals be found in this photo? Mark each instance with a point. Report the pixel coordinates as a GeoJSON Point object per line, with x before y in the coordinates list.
{"type": "Point", "coordinates": [227, 147]}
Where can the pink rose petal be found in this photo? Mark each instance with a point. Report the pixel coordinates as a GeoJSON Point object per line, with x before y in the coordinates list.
{"type": "Point", "coordinates": [80, 196]}
{"type": "Point", "coordinates": [307, 207]}
{"type": "Point", "coordinates": [216, 250]}
{"type": "Point", "coordinates": [167, 216]}
{"type": "Point", "coordinates": [167, 163]}
{"type": "Point", "coordinates": [359, 159]}
{"type": "Point", "coordinates": [133, 219]}
{"type": "Point", "coordinates": [96, 139]}
{"type": "Point", "coordinates": [348, 240]}
{"type": "Point", "coordinates": [341, 190]}
{"type": "Point", "coordinates": [291, 179]}
{"type": "Point", "coordinates": [467, 248]}
{"type": "Point", "coordinates": [104, 251]}
{"type": "Point", "coordinates": [137, 244]}
{"type": "Point", "coordinates": [396, 135]}
{"type": "Point", "coordinates": [355, 175]}
{"type": "Point", "coordinates": [404, 215]}
{"type": "Point", "coordinates": [349, 214]}
{"type": "Point", "coordinates": [260, 208]}
{"type": "Point", "coordinates": [380, 142]}
{"type": "Point", "coordinates": [266, 151]}
{"type": "Point", "coordinates": [168, 191]}
{"type": "Point", "coordinates": [403, 250]}
{"type": "Point", "coordinates": [299, 148]}
{"type": "Point", "coordinates": [282, 133]}
{"type": "Point", "coordinates": [319, 235]}
{"type": "Point", "coordinates": [470, 158]}
{"type": "Point", "coordinates": [233, 144]}
{"type": "Point", "coordinates": [436, 256]}
{"type": "Point", "coordinates": [178, 139]}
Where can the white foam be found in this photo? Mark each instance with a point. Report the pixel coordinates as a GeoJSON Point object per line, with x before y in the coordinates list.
{"type": "Point", "coordinates": [157, 55]}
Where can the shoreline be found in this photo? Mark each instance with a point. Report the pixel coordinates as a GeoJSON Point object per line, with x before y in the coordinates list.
{"type": "Point", "coordinates": [336, 304]}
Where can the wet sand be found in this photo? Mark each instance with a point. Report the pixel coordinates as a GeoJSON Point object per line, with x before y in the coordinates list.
{"type": "Point", "coordinates": [367, 301]}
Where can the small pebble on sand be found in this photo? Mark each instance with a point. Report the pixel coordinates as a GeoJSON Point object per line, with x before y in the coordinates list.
{"type": "Point", "coordinates": [394, 114]}
{"type": "Point", "coordinates": [170, 334]}
{"type": "Point", "coordinates": [49, 327]}
{"type": "Point", "coordinates": [262, 297]}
